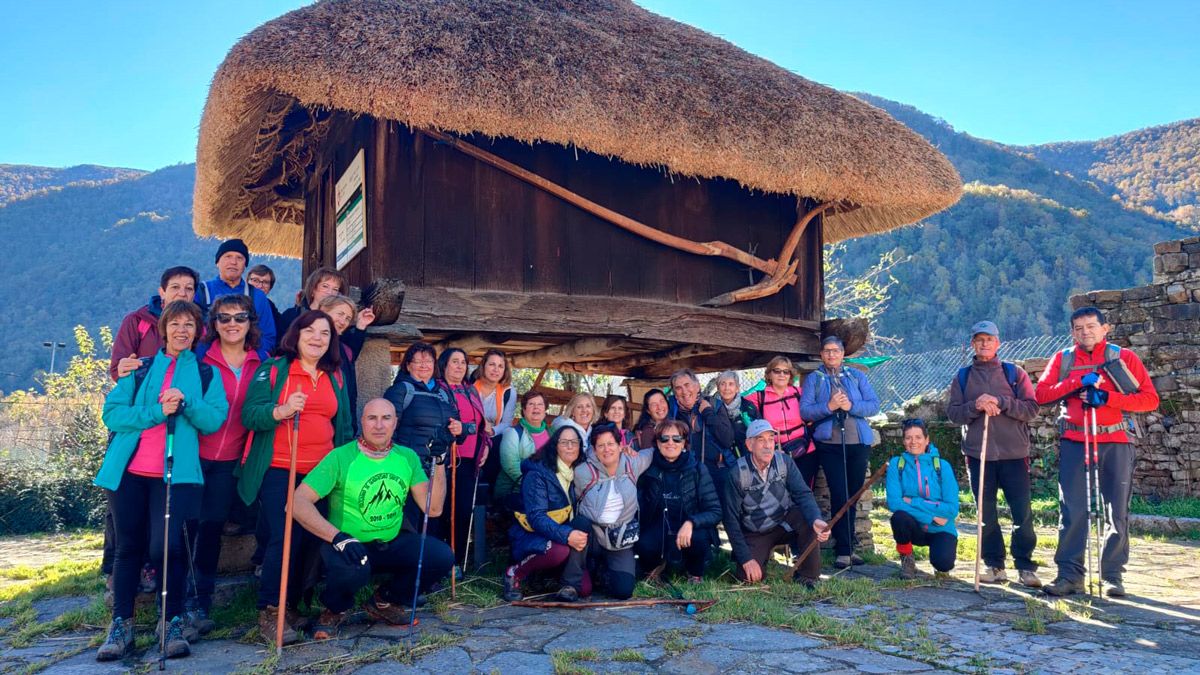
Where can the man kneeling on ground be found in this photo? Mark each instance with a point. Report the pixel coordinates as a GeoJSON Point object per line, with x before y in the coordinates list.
{"type": "Point", "coordinates": [367, 482]}
{"type": "Point", "coordinates": [767, 503]}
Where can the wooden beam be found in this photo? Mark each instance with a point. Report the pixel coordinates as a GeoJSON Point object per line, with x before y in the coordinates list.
{"type": "Point", "coordinates": [457, 310]}
{"type": "Point", "coordinates": [710, 248]}
{"type": "Point", "coordinates": [626, 363]}
{"type": "Point", "coordinates": [470, 343]}
{"type": "Point", "coordinates": [579, 350]}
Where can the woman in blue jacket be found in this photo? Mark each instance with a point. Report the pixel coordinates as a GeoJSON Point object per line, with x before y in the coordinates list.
{"type": "Point", "coordinates": [547, 529]}
{"type": "Point", "coordinates": [922, 494]}
{"type": "Point", "coordinates": [134, 470]}
{"type": "Point", "coordinates": [838, 400]}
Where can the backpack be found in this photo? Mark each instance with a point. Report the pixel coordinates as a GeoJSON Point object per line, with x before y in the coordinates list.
{"type": "Point", "coordinates": [139, 376]}
{"type": "Point", "coordinates": [1066, 362]}
{"type": "Point", "coordinates": [746, 478]}
{"type": "Point", "coordinates": [1011, 375]}
{"type": "Point", "coordinates": [937, 464]}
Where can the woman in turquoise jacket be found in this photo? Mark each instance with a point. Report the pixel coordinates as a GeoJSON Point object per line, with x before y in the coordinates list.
{"type": "Point", "coordinates": [922, 494]}
{"type": "Point", "coordinates": [133, 471]}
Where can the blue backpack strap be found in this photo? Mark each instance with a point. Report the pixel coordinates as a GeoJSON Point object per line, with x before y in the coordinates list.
{"type": "Point", "coordinates": [962, 380]}
{"type": "Point", "coordinates": [1012, 375]}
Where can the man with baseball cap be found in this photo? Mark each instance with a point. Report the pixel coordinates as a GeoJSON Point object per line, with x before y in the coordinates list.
{"type": "Point", "coordinates": [1002, 393]}
{"type": "Point", "coordinates": [232, 258]}
{"type": "Point", "coordinates": [767, 503]}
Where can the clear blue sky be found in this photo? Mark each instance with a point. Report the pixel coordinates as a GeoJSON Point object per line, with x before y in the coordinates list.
{"type": "Point", "coordinates": [122, 83]}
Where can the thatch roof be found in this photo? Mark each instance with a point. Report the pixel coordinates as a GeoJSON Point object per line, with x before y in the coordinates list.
{"type": "Point", "coordinates": [603, 75]}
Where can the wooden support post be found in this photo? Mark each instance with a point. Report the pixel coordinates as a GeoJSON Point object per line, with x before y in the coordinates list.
{"type": "Point", "coordinates": [710, 248]}
{"type": "Point", "coordinates": [537, 381]}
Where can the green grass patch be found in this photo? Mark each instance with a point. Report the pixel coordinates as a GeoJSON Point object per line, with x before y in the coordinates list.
{"type": "Point", "coordinates": [1174, 507]}
{"type": "Point", "coordinates": [1038, 614]}
{"type": "Point", "coordinates": [569, 662]}
{"type": "Point", "coordinates": [65, 577]}
{"type": "Point", "coordinates": [629, 656]}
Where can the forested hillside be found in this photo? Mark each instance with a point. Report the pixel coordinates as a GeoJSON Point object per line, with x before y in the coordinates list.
{"type": "Point", "coordinates": [88, 254]}
{"type": "Point", "coordinates": [20, 180]}
{"type": "Point", "coordinates": [1021, 241]}
{"type": "Point", "coordinates": [1155, 169]}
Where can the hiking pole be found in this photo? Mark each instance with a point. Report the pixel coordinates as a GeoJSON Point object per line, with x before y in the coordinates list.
{"type": "Point", "coordinates": [1087, 473]}
{"type": "Point", "coordinates": [979, 499]}
{"type": "Point", "coordinates": [424, 532]}
{"type": "Point", "coordinates": [453, 518]}
{"type": "Point", "coordinates": [1100, 510]}
{"type": "Point", "coordinates": [471, 522]}
{"type": "Point", "coordinates": [842, 511]}
{"type": "Point", "coordinates": [168, 471]}
{"type": "Point", "coordinates": [281, 608]}
{"type": "Point", "coordinates": [845, 472]}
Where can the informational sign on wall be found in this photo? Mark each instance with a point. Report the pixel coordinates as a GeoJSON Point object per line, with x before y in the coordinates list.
{"type": "Point", "coordinates": [351, 208]}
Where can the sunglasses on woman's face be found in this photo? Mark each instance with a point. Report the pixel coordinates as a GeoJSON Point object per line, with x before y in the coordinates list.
{"type": "Point", "coordinates": [240, 317]}
{"type": "Point", "coordinates": [670, 439]}
{"type": "Point", "coordinates": [780, 371]}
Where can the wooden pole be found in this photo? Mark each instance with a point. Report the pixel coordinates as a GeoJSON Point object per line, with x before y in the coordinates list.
{"type": "Point", "coordinates": [710, 248]}
{"type": "Point", "coordinates": [700, 605]}
{"type": "Point", "coordinates": [281, 608]}
{"type": "Point", "coordinates": [842, 511]}
{"type": "Point", "coordinates": [453, 515]}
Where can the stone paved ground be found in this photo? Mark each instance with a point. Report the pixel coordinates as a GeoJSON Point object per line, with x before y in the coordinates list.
{"type": "Point", "coordinates": [936, 627]}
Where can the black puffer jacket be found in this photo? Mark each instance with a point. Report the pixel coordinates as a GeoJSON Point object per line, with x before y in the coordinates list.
{"type": "Point", "coordinates": [683, 487]}
{"type": "Point", "coordinates": [420, 412]}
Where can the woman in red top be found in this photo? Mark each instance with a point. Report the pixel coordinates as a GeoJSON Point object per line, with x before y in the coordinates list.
{"type": "Point", "coordinates": [302, 383]}
{"type": "Point", "coordinates": [471, 452]}
{"type": "Point", "coordinates": [231, 345]}
{"type": "Point", "coordinates": [778, 402]}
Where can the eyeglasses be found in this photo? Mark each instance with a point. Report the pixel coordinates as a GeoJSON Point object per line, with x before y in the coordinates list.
{"type": "Point", "coordinates": [568, 443]}
{"type": "Point", "coordinates": [670, 439]}
{"type": "Point", "coordinates": [240, 317]}
{"type": "Point", "coordinates": [780, 371]}
{"type": "Point", "coordinates": [831, 351]}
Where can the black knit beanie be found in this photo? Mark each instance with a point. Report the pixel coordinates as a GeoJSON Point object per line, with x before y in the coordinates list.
{"type": "Point", "coordinates": [235, 246]}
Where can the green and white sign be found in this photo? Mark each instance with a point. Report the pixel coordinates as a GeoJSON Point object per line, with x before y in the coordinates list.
{"type": "Point", "coordinates": [351, 207]}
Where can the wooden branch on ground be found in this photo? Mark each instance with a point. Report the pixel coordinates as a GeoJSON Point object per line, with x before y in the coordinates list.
{"type": "Point", "coordinates": [709, 248]}
{"type": "Point", "coordinates": [700, 605]}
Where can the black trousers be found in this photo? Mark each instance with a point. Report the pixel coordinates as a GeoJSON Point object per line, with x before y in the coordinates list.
{"type": "Point", "coordinates": [273, 497]}
{"type": "Point", "coordinates": [1012, 476]}
{"type": "Point", "coordinates": [1116, 483]}
{"type": "Point", "coordinates": [465, 481]}
{"type": "Point", "coordinates": [845, 474]}
{"type": "Point", "coordinates": [219, 492]}
{"type": "Point", "coordinates": [138, 508]}
{"type": "Point", "coordinates": [656, 543]}
{"type": "Point", "coordinates": [397, 557]}
{"type": "Point", "coordinates": [943, 546]}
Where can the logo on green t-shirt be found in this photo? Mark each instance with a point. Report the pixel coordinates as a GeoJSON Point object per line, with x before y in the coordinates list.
{"type": "Point", "coordinates": [381, 499]}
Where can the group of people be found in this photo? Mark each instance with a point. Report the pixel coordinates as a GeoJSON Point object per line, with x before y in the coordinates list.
{"type": "Point", "coordinates": [218, 396]}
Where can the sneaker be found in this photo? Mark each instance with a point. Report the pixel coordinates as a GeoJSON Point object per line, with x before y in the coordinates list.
{"type": "Point", "coordinates": [177, 644]}
{"type": "Point", "coordinates": [512, 587]}
{"type": "Point", "coordinates": [804, 581]}
{"type": "Point", "coordinates": [458, 573]}
{"type": "Point", "coordinates": [1029, 578]}
{"type": "Point", "coordinates": [908, 567]}
{"type": "Point", "coordinates": [327, 625]}
{"type": "Point", "coordinates": [567, 594]}
{"type": "Point", "coordinates": [267, 622]}
{"type": "Point", "coordinates": [148, 582]}
{"type": "Point", "coordinates": [1063, 586]}
{"type": "Point", "coordinates": [1112, 588]}
{"type": "Point", "coordinates": [388, 612]}
{"type": "Point", "coordinates": [992, 575]}
{"type": "Point", "coordinates": [842, 562]}
{"type": "Point", "coordinates": [119, 641]}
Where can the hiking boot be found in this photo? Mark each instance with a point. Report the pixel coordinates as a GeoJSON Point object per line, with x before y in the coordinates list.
{"type": "Point", "coordinates": [388, 612]}
{"type": "Point", "coordinates": [804, 581]}
{"type": "Point", "coordinates": [199, 621]}
{"type": "Point", "coordinates": [992, 575]}
{"type": "Point", "coordinates": [149, 581]}
{"type": "Point", "coordinates": [842, 562]}
{"type": "Point", "coordinates": [908, 567]}
{"type": "Point", "coordinates": [567, 594]}
{"type": "Point", "coordinates": [1062, 587]}
{"type": "Point", "coordinates": [1112, 588]}
{"type": "Point", "coordinates": [177, 644]}
{"type": "Point", "coordinates": [856, 559]}
{"type": "Point", "coordinates": [1029, 578]}
{"type": "Point", "coordinates": [267, 622]}
{"type": "Point", "coordinates": [695, 580]}
{"type": "Point", "coordinates": [458, 573]}
{"type": "Point", "coordinates": [512, 586]}
{"type": "Point", "coordinates": [327, 624]}
{"type": "Point", "coordinates": [119, 641]}
{"type": "Point", "coordinates": [939, 575]}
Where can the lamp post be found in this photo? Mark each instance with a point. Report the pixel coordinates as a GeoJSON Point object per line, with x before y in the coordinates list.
{"type": "Point", "coordinates": [54, 347]}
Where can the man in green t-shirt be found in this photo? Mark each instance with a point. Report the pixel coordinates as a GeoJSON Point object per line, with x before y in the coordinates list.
{"type": "Point", "coordinates": [366, 483]}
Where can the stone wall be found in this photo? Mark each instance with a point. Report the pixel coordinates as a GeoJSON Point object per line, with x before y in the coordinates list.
{"type": "Point", "coordinates": [1161, 322]}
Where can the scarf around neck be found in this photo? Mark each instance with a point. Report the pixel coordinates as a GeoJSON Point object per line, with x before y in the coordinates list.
{"type": "Point", "coordinates": [565, 475]}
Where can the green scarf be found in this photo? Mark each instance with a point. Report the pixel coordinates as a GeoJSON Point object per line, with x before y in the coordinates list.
{"type": "Point", "coordinates": [532, 429]}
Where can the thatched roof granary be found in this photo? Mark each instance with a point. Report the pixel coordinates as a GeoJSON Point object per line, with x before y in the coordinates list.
{"type": "Point", "coordinates": [569, 168]}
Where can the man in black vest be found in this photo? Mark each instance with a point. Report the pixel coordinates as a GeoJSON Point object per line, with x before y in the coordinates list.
{"type": "Point", "coordinates": [1003, 394]}
{"type": "Point", "coordinates": [767, 503]}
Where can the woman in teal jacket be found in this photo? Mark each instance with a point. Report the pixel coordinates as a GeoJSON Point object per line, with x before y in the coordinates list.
{"type": "Point", "coordinates": [922, 494]}
{"type": "Point", "coordinates": [133, 470]}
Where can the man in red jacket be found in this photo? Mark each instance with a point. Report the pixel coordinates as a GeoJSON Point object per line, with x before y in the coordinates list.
{"type": "Point", "coordinates": [1074, 378]}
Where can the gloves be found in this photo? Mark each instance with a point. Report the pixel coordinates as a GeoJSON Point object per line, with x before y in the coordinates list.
{"type": "Point", "coordinates": [1091, 379]}
{"type": "Point", "coordinates": [1094, 397]}
{"type": "Point", "coordinates": [351, 549]}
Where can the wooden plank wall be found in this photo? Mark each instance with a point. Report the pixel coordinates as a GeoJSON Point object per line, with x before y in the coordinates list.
{"type": "Point", "coordinates": [438, 218]}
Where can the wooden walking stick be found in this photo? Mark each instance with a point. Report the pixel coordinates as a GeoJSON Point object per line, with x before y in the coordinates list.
{"type": "Point", "coordinates": [281, 608]}
{"type": "Point", "coordinates": [842, 511]}
{"type": "Point", "coordinates": [979, 499]}
{"type": "Point", "coordinates": [453, 515]}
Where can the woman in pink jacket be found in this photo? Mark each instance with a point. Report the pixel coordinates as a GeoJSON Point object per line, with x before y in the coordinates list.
{"type": "Point", "coordinates": [232, 341]}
